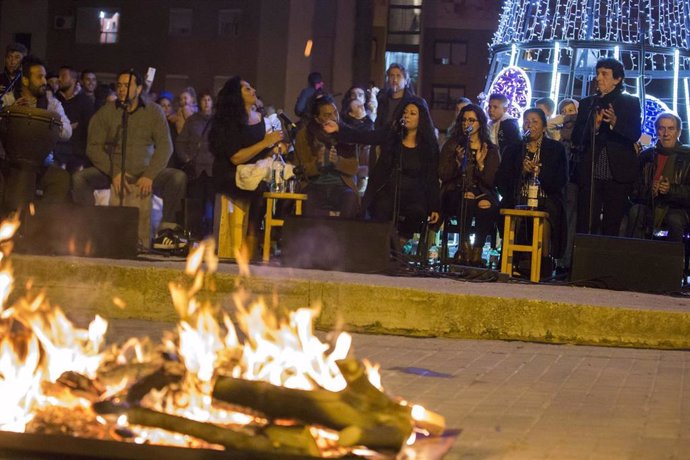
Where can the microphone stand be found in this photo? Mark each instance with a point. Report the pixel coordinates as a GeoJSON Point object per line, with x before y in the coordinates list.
{"type": "Point", "coordinates": [466, 181]}
{"type": "Point", "coordinates": [592, 145]}
{"type": "Point", "coordinates": [397, 171]}
{"type": "Point", "coordinates": [125, 119]}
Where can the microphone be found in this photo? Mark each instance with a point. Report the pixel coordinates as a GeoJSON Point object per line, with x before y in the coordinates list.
{"type": "Point", "coordinates": [525, 135]}
{"type": "Point", "coordinates": [286, 121]}
{"type": "Point", "coordinates": [469, 130]}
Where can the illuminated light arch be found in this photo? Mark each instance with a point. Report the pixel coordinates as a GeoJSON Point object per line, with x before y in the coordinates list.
{"type": "Point", "coordinates": [558, 42]}
{"type": "Point", "coordinates": [513, 83]}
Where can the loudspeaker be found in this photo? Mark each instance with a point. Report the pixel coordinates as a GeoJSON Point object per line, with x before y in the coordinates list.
{"type": "Point", "coordinates": [92, 231]}
{"type": "Point", "coordinates": [627, 263]}
{"type": "Point", "coordinates": [327, 243]}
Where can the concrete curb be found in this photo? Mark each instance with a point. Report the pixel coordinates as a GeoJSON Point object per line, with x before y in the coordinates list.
{"type": "Point", "coordinates": [84, 287]}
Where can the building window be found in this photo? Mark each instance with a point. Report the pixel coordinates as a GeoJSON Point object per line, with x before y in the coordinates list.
{"type": "Point", "coordinates": [450, 53]}
{"type": "Point", "coordinates": [97, 26]}
{"type": "Point", "coordinates": [180, 22]}
{"type": "Point", "coordinates": [229, 23]}
{"type": "Point", "coordinates": [444, 97]}
{"type": "Point", "coordinates": [404, 22]}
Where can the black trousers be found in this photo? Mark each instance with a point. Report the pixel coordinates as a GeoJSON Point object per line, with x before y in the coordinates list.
{"type": "Point", "coordinates": [199, 203]}
{"type": "Point", "coordinates": [323, 198]}
{"type": "Point", "coordinates": [485, 220]}
{"type": "Point", "coordinates": [610, 200]}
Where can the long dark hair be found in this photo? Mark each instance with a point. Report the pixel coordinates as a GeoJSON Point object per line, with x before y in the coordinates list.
{"type": "Point", "coordinates": [425, 130]}
{"type": "Point", "coordinates": [349, 97]}
{"type": "Point", "coordinates": [229, 118]}
{"type": "Point", "coordinates": [459, 134]}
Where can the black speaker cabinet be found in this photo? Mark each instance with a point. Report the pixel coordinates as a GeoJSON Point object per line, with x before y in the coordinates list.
{"type": "Point", "coordinates": [92, 231]}
{"type": "Point", "coordinates": [627, 263]}
{"type": "Point", "coordinates": [336, 244]}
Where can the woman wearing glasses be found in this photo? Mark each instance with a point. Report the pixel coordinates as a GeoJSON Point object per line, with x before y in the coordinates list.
{"type": "Point", "coordinates": [467, 167]}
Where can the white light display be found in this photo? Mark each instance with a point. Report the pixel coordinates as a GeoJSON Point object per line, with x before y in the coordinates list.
{"type": "Point", "coordinates": [566, 37]}
{"type": "Point", "coordinates": [513, 83]}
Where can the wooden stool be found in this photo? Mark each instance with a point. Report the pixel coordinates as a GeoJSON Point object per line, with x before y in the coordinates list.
{"type": "Point", "coordinates": [230, 220]}
{"type": "Point", "coordinates": [270, 221]}
{"type": "Point", "coordinates": [509, 246]}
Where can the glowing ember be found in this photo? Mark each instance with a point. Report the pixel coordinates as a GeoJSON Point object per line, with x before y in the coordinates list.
{"type": "Point", "coordinates": [217, 381]}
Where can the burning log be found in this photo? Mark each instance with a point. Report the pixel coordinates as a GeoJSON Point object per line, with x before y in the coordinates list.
{"type": "Point", "coordinates": [171, 372]}
{"type": "Point", "coordinates": [295, 440]}
{"type": "Point", "coordinates": [365, 415]}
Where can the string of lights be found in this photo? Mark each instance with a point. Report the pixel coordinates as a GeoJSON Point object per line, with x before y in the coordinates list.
{"type": "Point", "coordinates": [540, 31]}
{"type": "Point", "coordinates": [666, 23]}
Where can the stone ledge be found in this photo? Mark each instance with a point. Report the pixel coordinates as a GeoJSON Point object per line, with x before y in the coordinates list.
{"type": "Point", "coordinates": [84, 287]}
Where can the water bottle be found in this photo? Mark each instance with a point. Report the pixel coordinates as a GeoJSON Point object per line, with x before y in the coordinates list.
{"type": "Point", "coordinates": [494, 257]}
{"type": "Point", "coordinates": [533, 192]}
{"type": "Point", "coordinates": [486, 250]}
{"type": "Point", "coordinates": [277, 182]}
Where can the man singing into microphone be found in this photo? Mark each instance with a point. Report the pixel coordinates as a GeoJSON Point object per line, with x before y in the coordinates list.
{"type": "Point", "coordinates": [147, 152]}
{"type": "Point", "coordinates": [606, 129]}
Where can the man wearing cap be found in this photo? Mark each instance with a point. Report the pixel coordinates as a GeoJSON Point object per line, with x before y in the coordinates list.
{"type": "Point", "coordinates": [14, 53]}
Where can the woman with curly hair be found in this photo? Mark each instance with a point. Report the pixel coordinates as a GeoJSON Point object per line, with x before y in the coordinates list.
{"type": "Point", "coordinates": [239, 136]}
{"type": "Point", "coordinates": [469, 179]}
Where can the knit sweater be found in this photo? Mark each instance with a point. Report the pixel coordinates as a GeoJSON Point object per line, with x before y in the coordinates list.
{"type": "Point", "coordinates": [148, 140]}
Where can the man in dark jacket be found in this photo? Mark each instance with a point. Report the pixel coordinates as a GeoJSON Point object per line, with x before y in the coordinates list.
{"type": "Point", "coordinates": [610, 122]}
{"type": "Point", "coordinates": [662, 191]}
{"type": "Point", "coordinates": [503, 129]}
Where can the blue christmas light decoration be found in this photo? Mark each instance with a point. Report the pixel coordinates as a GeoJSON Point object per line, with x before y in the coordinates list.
{"type": "Point", "coordinates": [514, 84]}
{"type": "Point", "coordinates": [653, 106]}
{"type": "Point", "coordinates": [558, 42]}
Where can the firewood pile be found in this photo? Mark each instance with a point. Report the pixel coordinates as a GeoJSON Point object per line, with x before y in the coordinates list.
{"type": "Point", "coordinates": [207, 385]}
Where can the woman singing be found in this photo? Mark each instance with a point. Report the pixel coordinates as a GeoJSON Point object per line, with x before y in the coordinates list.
{"type": "Point", "coordinates": [545, 158]}
{"type": "Point", "coordinates": [468, 180]}
{"type": "Point", "coordinates": [238, 136]}
{"type": "Point", "coordinates": [408, 165]}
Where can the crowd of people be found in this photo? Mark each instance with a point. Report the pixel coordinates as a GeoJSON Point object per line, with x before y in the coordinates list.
{"type": "Point", "coordinates": [378, 156]}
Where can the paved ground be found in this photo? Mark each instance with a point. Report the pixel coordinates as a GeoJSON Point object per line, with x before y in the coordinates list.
{"type": "Point", "coordinates": [515, 400]}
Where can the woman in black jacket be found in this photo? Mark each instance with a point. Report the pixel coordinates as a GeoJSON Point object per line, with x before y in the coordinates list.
{"type": "Point", "coordinates": [408, 165]}
{"type": "Point", "coordinates": [470, 181]}
{"type": "Point", "coordinates": [546, 158]}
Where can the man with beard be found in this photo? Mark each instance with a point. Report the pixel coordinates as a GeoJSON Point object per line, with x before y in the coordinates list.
{"type": "Point", "coordinates": [14, 54]}
{"type": "Point", "coordinates": [662, 191]}
{"type": "Point", "coordinates": [606, 129]}
{"type": "Point", "coordinates": [89, 82]}
{"type": "Point", "coordinates": [71, 155]}
{"type": "Point", "coordinates": [20, 177]}
{"type": "Point", "coordinates": [147, 151]}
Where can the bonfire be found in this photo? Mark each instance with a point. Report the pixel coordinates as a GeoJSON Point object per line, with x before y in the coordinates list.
{"type": "Point", "coordinates": [256, 379]}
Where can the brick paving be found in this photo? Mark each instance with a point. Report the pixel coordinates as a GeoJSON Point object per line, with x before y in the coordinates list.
{"type": "Point", "coordinates": [516, 400]}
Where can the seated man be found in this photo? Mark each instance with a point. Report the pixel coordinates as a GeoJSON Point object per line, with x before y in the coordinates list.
{"type": "Point", "coordinates": [148, 149]}
{"type": "Point", "coordinates": [661, 195]}
{"type": "Point", "coordinates": [330, 167]}
{"type": "Point", "coordinates": [19, 174]}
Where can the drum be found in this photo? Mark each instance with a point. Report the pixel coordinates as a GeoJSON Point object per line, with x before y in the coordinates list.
{"type": "Point", "coordinates": [28, 134]}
